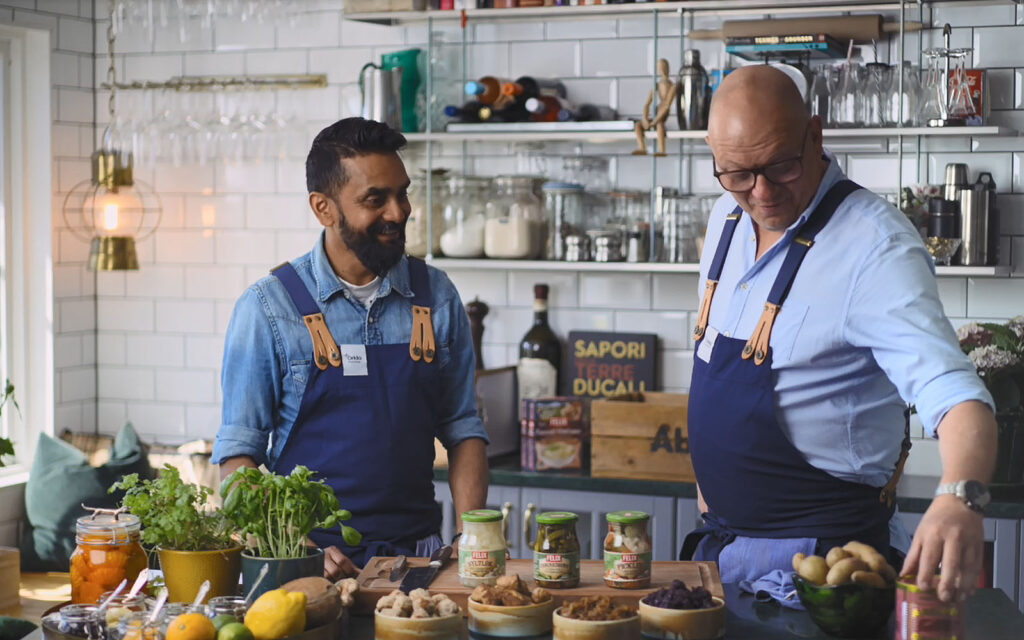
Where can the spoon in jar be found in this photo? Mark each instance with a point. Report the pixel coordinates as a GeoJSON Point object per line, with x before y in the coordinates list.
{"type": "Point", "coordinates": [203, 589]}
{"type": "Point", "coordinates": [259, 578]}
{"type": "Point", "coordinates": [103, 606]}
{"type": "Point", "coordinates": [139, 583]}
{"type": "Point", "coordinates": [161, 599]}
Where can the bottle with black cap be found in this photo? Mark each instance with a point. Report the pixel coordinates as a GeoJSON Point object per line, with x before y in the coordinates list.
{"type": "Point", "coordinates": [943, 238]}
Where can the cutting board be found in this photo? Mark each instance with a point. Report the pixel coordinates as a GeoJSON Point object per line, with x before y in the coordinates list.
{"type": "Point", "coordinates": [374, 583]}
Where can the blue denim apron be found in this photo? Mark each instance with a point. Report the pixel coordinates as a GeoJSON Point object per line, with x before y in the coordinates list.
{"type": "Point", "coordinates": [755, 482]}
{"type": "Point", "coordinates": [371, 437]}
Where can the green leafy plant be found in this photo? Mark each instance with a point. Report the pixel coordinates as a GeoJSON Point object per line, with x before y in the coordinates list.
{"type": "Point", "coordinates": [173, 513]}
{"type": "Point", "coordinates": [6, 446]}
{"type": "Point", "coordinates": [279, 512]}
{"type": "Point", "coordinates": [997, 351]}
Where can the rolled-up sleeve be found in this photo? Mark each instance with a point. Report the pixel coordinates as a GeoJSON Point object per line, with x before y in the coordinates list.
{"type": "Point", "coordinates": [894, 310]}
{"type": "Point", "coordinates": [459, 419]}
{"type": "Point", "coordinates": [250, 380]}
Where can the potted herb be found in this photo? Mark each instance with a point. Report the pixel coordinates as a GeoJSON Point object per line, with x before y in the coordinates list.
{"type": "Point", "coordinates": [194, 543]}
{"type": "Point", "coordinates": [277, 514]}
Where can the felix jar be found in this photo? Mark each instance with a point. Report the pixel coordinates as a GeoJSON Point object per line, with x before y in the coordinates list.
{"type": "Point", "coordinates": [627, 550]}
{"type": "Point", "coordinates": [482, 548]}
{"type": "Point", "coordinates": [108, 552]}
{"type": "Point", "coordinates": [556, 553]}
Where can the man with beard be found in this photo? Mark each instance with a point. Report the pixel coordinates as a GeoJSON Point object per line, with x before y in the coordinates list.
{"type": "Point", "coordinates": [350, 359]}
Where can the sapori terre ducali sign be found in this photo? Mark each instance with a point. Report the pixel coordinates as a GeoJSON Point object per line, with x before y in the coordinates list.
{"type": "Point", "coordinates": [605, 364]}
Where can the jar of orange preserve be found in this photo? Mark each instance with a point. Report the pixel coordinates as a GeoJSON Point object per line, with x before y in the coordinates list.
{"type": "Point", "coordinates": [108, 552]}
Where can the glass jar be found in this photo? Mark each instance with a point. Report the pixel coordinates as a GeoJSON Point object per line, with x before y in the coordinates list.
{"type": "Point", "coordinates": [416, 226]}
{"type": "Point", "coordinates": [515, 223]}
{"type": "Point", "coordinates": [627, 550]}
{"type": "Point", "coordinates": [465, 217]}
{"type": "Point", "coordinates": [226, 605]}
{"type": "Point", "coordinates": [108, 552]}
{"type": "Point", "coordinates": [79, 620]}
{"type": "Point", "coordinates": [482, 548]}
{"type": "Point", "coordinates": [556, 553]}
{"type": "Point", "coordinates": [137, 627]}
{"type": "Point", "coordinates": [122, 606]}
{"type": "Point", "coordinates": [563, 205]}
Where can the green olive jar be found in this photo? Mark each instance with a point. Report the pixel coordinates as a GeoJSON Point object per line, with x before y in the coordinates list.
{"type": "Point", "coordinates": [556, 553]}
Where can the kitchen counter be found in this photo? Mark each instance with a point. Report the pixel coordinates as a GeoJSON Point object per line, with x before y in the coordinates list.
{"type": "Point", "coordinates": [914, 493]}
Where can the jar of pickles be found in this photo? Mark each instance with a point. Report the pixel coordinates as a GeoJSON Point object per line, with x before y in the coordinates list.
{"type": "Point", "coordinates": [108, 552]}
{"type": "Point", "coordinates": [482, 548]}
{"type": "Point", "coordinates": [556, 553]}
{"type": "Point", "coordinates": [627, 550]}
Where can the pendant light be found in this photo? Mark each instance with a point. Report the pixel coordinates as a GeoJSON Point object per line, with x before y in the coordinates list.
{"type": "Point", "coordinates": [112, 210]}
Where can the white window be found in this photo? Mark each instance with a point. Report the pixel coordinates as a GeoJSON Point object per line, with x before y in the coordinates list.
{"type": "Point", "coordinates": [26, 256]}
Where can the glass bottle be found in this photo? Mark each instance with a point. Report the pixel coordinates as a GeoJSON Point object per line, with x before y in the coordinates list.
{"type": "Point", "coordinates": [845, 105]}
{"type": "Point", "coordinates": [906, 114]}
{"type": "Point", "coordinates": [540, 354]}
{"type": "Point", "coordinates": [627, 550]}
{"type": "Point", "coordinates": [108, 552]}
{"type": "Point", "coordinates": [819, 97]}
{"type": "Point", "coordinates": [482, 548]}
{"type": "Point", "coordinates": [873, 94]}
{"type": "Point", "coordinates": [556, 553]}
{"type": "Point", "coordinates": [416, 226]}
{"type": "Point", "coordinates": [515, 225]}
{"type": "Point", "coordinates": [465, 217]}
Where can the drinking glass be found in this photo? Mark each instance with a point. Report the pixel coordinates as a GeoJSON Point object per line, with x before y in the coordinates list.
{"type": "Point", "coordinates": [960, 104]}
{"type": "Point", "coordinates": [933, 105]}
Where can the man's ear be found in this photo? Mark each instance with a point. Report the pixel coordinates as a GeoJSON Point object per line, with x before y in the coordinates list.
{"type": "Point", "coordinates": [323, 208]}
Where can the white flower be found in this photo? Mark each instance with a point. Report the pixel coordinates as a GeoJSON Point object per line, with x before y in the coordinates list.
{"type": "Point", "coordinates": [1016, 325]}
{"type": "Point", "coordinates": [974, 333]}
{"type": "Point", "coordinates": [991, 358]}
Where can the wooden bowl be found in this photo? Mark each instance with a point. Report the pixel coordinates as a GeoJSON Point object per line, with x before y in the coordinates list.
{"type": "Point", "coordinates": [572, 629]}
{"type": "Point", "coordinates": [511, 622]}
{"type": "Point", "coordinates": [394, 628]}
{"type": "Point", "coordinates": [679, 624]}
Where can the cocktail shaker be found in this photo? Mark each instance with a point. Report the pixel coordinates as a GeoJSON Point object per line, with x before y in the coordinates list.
{"type": "Point", "coordinates": [692, 93]}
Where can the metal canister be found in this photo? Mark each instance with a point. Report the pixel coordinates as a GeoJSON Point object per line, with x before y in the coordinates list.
{"type": "Point", "coordinates": [920, 615]}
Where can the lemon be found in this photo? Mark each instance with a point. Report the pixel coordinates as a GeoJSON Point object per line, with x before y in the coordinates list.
{"type": "Point", "coordinates": [191, 626]}
{"type": "Point", "coordinates": [234, 631]}
{"type": "Point", "coordinates": [276, 614]}
{"type": "Point", "coordinates": [223, 619]}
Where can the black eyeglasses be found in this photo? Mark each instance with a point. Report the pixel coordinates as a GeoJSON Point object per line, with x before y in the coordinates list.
{"type": "Point", "coordinates": [781, 172]}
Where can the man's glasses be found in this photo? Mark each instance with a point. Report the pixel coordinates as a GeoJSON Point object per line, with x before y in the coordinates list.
{"type": "Point", "coordinates": [781, 172]}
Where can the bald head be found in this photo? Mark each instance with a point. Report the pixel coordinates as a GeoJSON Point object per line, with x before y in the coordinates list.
{"type": "Point", "coordinates": [755, 98]}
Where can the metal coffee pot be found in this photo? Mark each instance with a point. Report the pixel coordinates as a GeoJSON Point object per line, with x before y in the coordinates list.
{"type": "Point", "coordinates": [382, 94]}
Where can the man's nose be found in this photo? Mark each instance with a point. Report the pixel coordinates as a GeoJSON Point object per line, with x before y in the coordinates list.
{"type": "Point", "coordinates": [763, 188]}
{"type": "Point", "coordinates": [397, 210]}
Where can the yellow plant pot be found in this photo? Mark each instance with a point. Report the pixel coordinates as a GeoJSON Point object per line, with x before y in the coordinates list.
{"type": "Point", "coordinates": [185, 571]}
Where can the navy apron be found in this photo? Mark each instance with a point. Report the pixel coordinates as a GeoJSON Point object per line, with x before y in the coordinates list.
{"type": "Point", "coordinates": [755, 482]}
{"type": "Point", "coordinates": [370, 437]}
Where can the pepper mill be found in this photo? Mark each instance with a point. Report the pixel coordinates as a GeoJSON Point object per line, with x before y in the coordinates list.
{"type": "Point", "coordinates": [476, 310]}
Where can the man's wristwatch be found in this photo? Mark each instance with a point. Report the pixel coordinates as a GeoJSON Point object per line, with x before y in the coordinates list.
{"type": "Point", "coordinates": [974, 494]}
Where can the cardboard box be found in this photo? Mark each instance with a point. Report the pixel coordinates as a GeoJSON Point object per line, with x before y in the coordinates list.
{"type": "Point", "coordinates": [554, 434]}
{"type": "Point", "coordinates": [10, 578]}
{"type": "Point", "coordinates": [641, 440]}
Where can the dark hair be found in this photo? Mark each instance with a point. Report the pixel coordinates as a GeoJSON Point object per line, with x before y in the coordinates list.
{"type": "Point", "coordinates": [346, 138]}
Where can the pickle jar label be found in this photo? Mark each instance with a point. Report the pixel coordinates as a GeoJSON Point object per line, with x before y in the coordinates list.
{"type": "Point", "coordinates": [627, 567]}
{"type": "Point", "coordinates": [556, 566]}
{"type": "Point", "coordinates": [481, 564]}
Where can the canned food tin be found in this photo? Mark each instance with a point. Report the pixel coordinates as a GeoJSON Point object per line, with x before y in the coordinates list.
{"type": "Point", "coordinates": [920, 615]}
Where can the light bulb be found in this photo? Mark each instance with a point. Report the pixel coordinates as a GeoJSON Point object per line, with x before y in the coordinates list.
{"type": "Point", "coordinates": [110, 216]}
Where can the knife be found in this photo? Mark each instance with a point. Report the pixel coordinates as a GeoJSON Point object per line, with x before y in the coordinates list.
{"type": "Point", "coordinates": [398, 568]}
{"type": "Point", "coordinates": [421, 577]}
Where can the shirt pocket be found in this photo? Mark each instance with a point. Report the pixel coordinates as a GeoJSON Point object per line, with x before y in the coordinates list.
{"type": "Point", "coordinates": [300, 373]}
{"type": "Point", "coordinates": [786, 331]}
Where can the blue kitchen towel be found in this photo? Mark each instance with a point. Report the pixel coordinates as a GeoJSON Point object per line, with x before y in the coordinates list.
{"type": "Point", "coordinates": [778, 585]}
{"type": "Point", "coordinates": [764, 564]}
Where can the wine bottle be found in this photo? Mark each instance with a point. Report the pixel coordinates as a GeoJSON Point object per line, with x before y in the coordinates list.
{"type": "Point", "coordinates": [588, 112]}
{"type": "Point", "coordinates": [546, 108]}
{"type": "Point", "coordinates": [512, 113]}
{"type": "Point", "coordinates": [469, 112]}
{"type": "Point", "coordinates": [526, 87]}
{"type": "Point", "coordinates": [540, 355]}
{"type": "Point", "coordinates": [486, 90]}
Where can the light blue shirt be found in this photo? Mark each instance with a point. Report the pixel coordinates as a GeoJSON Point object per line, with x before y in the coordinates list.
{"type": "Point", "coordinates": [861, 333]}
{"type": "Point", "coordinates": [268, 350]}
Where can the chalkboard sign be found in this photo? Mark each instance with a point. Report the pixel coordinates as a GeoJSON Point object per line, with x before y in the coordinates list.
{"type": "Point", "coordinates": [604, 364]}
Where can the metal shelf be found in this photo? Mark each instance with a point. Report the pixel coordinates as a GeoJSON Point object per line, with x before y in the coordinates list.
{"type": "Point", "coordinates": [999, 271]}
{"type": "Point", "coordinates": [618, 136]}
{"type": "Point", "coordinates": [718, 7]}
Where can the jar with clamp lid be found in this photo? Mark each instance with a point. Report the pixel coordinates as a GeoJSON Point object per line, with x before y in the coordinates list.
{"type": "Point", "coordinates": [108, 552]}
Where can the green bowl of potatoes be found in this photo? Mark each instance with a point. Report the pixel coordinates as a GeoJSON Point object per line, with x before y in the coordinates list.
{"type": "Point", "coordinates": [850, 610]}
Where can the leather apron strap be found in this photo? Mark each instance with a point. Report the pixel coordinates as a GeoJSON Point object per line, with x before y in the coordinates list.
{"type": "Point", "coordinates": [325, 349]}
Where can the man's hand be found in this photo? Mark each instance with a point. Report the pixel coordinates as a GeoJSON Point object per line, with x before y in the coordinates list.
{"type": "Point", "coordinates": [645, 123]}
{"type": "Point", "coordinates": [950, 534]}
{"type": "Point", "coordinates": [337, 565]}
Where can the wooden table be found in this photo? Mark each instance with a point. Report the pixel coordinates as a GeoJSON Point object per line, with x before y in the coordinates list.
{"type": "Point", "coordinates": [39, 592]}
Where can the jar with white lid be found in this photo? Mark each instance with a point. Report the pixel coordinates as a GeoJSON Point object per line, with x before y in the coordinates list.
{"type": "Point", "coordinates": [465, 217]}
{"type": "Point", "coordinates": [515, 221]}
{"type": "Point", "coordinates": [482, 548]}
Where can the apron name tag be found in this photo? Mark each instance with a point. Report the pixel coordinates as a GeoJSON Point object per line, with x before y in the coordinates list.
{"type": "Point", "coordinates": [353, 360]}
{"type": "Point", "coordinates": [707, 344]}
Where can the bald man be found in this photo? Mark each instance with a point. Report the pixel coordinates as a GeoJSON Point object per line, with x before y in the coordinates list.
{"type": "Point", "coordinates": [819, 322]}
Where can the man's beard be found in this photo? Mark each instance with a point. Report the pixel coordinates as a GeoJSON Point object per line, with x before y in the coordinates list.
{"type": "Point", "coordinates": [375, 255]}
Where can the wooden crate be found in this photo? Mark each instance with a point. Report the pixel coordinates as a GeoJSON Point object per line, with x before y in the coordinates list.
{"type": "Point", "coordinates": [641, 440]}
{"type": "Point", "coordinates": [10, 577]}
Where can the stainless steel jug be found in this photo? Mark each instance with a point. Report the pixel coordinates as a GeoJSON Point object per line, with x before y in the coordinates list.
{"type": "Point", "coordinates": [979, 223]}
{"type": "Point", "coordinates": [382, 94]}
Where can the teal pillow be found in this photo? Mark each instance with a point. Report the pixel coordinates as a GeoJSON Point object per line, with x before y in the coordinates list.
{"type": "Point", "coordinates": [61, 481]}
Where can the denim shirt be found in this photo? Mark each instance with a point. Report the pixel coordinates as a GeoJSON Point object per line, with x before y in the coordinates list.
{"type": "Point", "coordinates": [268, 351]}
{"type": "Point", "coordinates": [861, 334]}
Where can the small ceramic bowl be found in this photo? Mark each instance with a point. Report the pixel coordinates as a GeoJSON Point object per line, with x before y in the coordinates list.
{"type": "Point", "coordinates": [677, 624]}
{"type": "Point", "coordinates": [394, 628]}
{"type": "Point", "coordinates": [511, 622]}
{"type": "Point", "coordinates": [849, 610]}
{"type": "Point", "coordinates": [572, 629]}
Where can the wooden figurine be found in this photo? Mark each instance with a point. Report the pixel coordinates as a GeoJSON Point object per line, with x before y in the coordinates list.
{"type": "Point", "coordinates": [667, 89]}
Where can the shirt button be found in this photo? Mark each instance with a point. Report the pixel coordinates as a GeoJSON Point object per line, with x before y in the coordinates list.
{"type": "Point", "coordinates": [370, 320]}
{"type": "Point", "coordinates": [726, 334]}
{"type": "Point", "coordinates": [346, 294]}
{"type": "Point", "coordinates": [745, 286]}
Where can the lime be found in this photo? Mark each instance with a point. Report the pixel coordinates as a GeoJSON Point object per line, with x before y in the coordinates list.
{"type": "Point", "coordinates": [234, 631]}
{"type": "Point", "coordinates": [223, 619]}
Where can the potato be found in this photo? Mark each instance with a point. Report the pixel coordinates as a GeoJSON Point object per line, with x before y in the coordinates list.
{"type": "Point", "coordinates": [869, 578]}
{"type": "Point", "coordinates": [840, 572]}
{"type": "Point", "coordinates": [835, 554]}
{"type": "Point", "coordinates": [865, 552]}
{"type": "Point", "coordinates": [813, 569]}
{"type": "Point", "coordinates": [887, 573]}
{"type": "Point", "coordinates": [797, 559]}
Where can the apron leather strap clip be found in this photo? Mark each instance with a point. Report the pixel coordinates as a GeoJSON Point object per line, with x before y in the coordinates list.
{"type": "Point", "coordinates": [422, 344]}
{"type": "Point", "coordinates": [325, 349]}
{"type": "Point", "coordinates": [757, 346]}
{"type": "Point", "coordinates": [705, 310]}
{"type": "Point", "coordinates": [888, 493]}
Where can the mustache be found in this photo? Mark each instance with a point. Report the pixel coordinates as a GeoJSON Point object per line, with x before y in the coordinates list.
{"type": "Point", "coordinates": [381, 227]}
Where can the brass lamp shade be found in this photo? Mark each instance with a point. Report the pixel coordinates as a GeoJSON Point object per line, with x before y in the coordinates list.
{"type": "Point", "coordinates": [113, 253]}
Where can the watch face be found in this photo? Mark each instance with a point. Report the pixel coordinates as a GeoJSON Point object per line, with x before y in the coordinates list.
{"type": "Point", "coordinates": [976, 493]}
